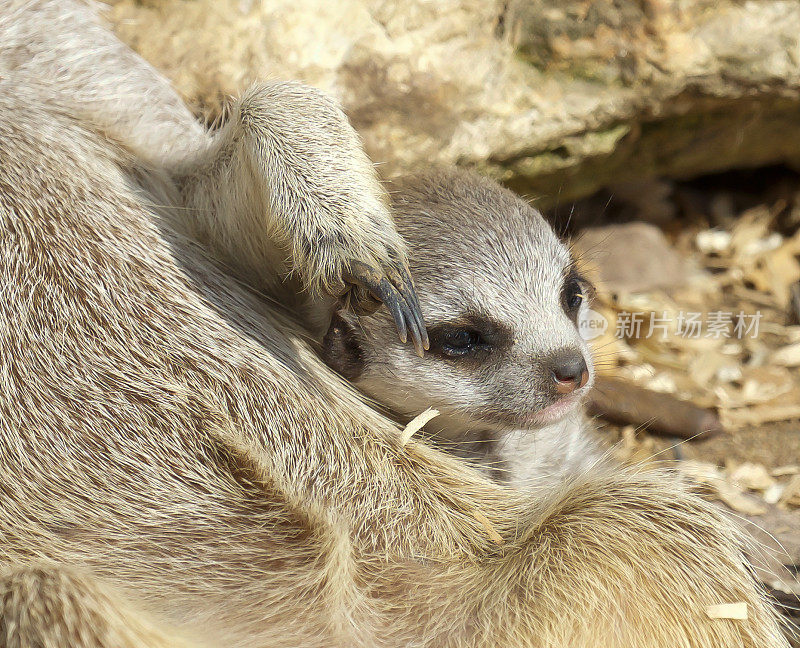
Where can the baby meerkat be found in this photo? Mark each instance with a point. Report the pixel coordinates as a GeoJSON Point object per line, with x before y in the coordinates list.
{"type": "Point", "coordinates": [507, 368]}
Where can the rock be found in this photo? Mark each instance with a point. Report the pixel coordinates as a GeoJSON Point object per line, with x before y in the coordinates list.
{"type": "Point", "coordinates": [631, 257]}
{"type": "Point", "coordinates": [557, 98]}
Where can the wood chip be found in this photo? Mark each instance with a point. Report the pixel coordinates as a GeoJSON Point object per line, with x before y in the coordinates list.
{"type": "Point", "coordinates": [758, 415]}
{"type": "Point", "coordinates": [763, 384]}
{"type": "Point", "coordinates": [708, 475]}
{"type": "Point", "coordinates": [791, 494]}
{"type": "Point", "coordinates": [783, 471]}
{"type": "Point", "coordinates": [751, 476]}
{"type": "Point", "coordinates": [738, 501]}
{"type": "Point", "coordinates": [727, 611]}
{"type": "Point", "coordinates": [788, 356]}
{"type": "Point", "coordinates": [713, 241]}
{"type": "Point", "coordinates": [774, 493]}
{"type": "Point", "coordinates": [416, 424]}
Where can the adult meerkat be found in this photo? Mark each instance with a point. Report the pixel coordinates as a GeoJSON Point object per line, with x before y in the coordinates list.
{"type": "Point", "coordinates": [507, 368]}
{"type": "Point", "coordinates": [178, 468]}
{"type": "Point", "coordinates": [319, 225]}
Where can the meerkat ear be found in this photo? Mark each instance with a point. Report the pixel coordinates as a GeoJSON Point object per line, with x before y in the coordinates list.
{"type": "Point", "coordinates": [342, 348]}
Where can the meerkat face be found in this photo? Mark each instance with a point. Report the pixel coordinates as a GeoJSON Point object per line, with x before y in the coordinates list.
{"type": "Point", "coordinates": [501, 298]}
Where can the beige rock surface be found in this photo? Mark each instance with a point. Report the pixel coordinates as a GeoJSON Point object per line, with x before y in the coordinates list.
{"type": "Point", "coordinates": [555, 97]}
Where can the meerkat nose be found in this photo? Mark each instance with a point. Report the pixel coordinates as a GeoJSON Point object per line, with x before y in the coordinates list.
{"type": "Point", "coordinates": [569, 371]}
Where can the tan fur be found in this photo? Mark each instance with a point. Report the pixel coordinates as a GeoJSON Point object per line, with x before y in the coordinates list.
{"type": "Point", "coordinates": [171, 438]}
{"type": "Point", "coordinates": [50, 606]}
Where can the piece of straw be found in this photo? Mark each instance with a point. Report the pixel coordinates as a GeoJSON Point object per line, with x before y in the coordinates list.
{"type": "Point", "coordinates": [727, 611]}
{"type": "Point", "coordinates": [494, 536]}
{"type": "Point", "coordinates": [416, 424]}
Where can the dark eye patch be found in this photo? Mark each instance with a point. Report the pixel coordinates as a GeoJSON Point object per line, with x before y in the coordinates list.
{"type": "Point", "coordinates": [470, 336]}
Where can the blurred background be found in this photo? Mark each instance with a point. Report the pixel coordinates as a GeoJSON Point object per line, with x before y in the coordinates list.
{"type": "Point", "coordinates": [662, 136]}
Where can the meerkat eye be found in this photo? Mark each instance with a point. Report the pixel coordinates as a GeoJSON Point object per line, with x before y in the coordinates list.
{"type": "Point", "coordinates": [459, 342]}
{"type": "Point", "coordinates": [471, 336]}
{"type": "Point", "coordinates": [572, 295]}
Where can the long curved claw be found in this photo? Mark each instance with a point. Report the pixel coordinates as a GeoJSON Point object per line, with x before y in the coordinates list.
{"type": "Point", "coordinates": [400, 275]}
{"type": "Point", "coordinates": [396, 290]}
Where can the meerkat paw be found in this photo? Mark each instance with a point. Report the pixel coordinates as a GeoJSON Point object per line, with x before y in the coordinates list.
{"type": "Point", "coordinates": [327, 207]}
{"type": "Point", "coordinates": [394, 287]}
{"type": "Point", "coordinates": [363, 282]}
